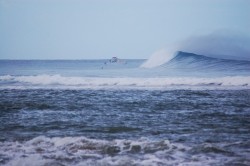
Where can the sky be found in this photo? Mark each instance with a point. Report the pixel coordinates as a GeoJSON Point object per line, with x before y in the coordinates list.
{"type": "Point", "coordinates": [100, 29]}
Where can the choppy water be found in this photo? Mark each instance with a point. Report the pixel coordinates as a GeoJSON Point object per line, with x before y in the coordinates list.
{"type": "Point", "coordinates": [122, 127]}
{"type": "Point", "coordinates": [92, 113]}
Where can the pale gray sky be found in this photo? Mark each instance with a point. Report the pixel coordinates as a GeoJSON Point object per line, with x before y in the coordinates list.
{"type": "Point", "coordinates": [91, 29]}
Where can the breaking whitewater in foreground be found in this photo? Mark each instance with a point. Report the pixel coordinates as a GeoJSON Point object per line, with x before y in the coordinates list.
{"type": "Point", "coordinates": [190, 110]}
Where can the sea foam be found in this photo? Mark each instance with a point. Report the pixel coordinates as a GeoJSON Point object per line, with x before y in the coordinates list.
{"type": "Point", "coordinates": [85, 151]}
{"type": "Point", "coordinates": [93, 82]}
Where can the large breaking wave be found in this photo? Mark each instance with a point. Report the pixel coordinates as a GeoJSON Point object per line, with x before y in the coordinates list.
{"type": "Point", "coordinates": [180, 70]}
{"type": "Point", "coordinates": [199, 62]}
{"type": "Point", "coordinates": [184, 60]}
{"type": "Point", "coordinates": [221, 44]}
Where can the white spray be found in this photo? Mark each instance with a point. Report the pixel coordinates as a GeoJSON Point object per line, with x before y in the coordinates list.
{"type": "Point", "coordinates": [159, 57]}
{"type": "Point", "coordinates": [220, 44]}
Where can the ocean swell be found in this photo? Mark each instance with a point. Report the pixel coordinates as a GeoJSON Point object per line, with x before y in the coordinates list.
{"type": "Point", "coordinates": [184, 60]}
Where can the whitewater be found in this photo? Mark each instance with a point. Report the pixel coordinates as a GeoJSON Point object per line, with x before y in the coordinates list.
{"type": "Point", "coordinates": [179, 70]}
{"type": "Point", "coordinates": [176, 108]}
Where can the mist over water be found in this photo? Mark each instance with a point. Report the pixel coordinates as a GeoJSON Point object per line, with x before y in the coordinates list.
{"type": "Point", "coordinates": [220, 44]}
{"type": "Point", "coordinates": [159, 57]}
{"type": "Point", "coordinates": [178, 108]}
{"type": "Point", "coordinates": [226, 45]}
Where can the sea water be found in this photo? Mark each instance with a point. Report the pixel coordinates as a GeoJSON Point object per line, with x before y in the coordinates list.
{"type": "Point", "coordinates": [191, 110]}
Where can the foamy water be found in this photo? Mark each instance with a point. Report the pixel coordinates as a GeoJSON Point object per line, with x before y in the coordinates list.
{"type": "Point", "coordinates": [184, 109]}
{"type": "Point", "coordinates": [58, 81]}
{"type": "Point", "coordinates": [85, 151]}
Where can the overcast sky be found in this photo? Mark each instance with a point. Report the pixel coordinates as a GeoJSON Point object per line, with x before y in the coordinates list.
{"type": "Point", "coordinates": [91, 29]}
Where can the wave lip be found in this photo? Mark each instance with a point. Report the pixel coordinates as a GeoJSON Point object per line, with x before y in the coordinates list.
{"type": "Point", "coordinates": [196, 61]}
{"type": "Point", "coordinates": [158, 58]}
{"type": "Point", "coordinates": [184, 60]}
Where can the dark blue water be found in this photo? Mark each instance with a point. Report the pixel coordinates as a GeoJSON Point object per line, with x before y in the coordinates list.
{"type": "Point", "coordinates": [213, 127]}
{"type": "Point", "coordinates": [101, 113]}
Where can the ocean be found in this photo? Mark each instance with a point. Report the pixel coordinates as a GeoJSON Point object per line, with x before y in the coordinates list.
{"type": "Point", "coordinates": [190, 110]}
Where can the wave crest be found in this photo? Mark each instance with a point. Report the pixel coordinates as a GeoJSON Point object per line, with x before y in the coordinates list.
{"type": "Point", "coordinates": [158, 58]}
{"type": "Point", "coordinates": [184, 60]}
